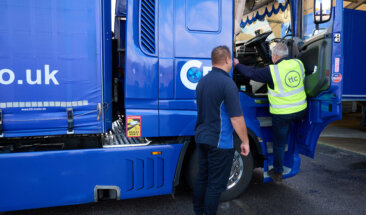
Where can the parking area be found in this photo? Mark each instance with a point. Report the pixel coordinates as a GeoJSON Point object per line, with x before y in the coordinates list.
{"type": "Point", "coordinates": [332, 183]}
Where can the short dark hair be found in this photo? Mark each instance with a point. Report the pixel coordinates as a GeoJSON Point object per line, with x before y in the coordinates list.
{"type": "Point", "coordinates": [219, 54]}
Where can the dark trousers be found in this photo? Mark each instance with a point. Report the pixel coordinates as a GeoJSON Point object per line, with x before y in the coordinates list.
{"type": "Point", "coordinates": [281, 125]}
{"type": "Point", "coordinates": [213, 175]}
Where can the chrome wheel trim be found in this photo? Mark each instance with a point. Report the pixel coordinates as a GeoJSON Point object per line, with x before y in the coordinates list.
{"type": "Point", "coordinates": [236, 172]}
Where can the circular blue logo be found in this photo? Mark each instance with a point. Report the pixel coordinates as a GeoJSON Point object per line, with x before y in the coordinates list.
{"type": "Point", "coordinates": [194, 74]}
{"type": "Point", "coordinates": [292, 79]}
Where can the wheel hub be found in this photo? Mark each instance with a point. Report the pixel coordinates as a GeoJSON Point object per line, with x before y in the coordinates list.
{"type": "Point", "coordinates": [236, 171]}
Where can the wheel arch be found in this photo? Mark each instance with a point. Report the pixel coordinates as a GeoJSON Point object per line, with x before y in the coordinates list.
{"type": "Point", "coordinates": [256, 148]}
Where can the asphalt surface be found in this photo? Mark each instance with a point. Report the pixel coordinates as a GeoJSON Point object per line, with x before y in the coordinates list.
{"type": "Point", "coordinates": [346, 134]}
{"type": "Point", "coordinates": [333, 183]}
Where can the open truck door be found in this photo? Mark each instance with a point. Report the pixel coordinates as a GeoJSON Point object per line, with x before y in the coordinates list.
{"type": "Point", "coordinates": [321, 52]}
{"type": "Point", "coordinates": [312, 32]}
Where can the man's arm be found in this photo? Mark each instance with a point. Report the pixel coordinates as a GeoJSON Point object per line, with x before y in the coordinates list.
{"type": "Point", "coordinates": [232, 104]}
{"type": "Point", "coordinates": [241, 130]}
{"type": "Point", "coordinates": [256, 74]}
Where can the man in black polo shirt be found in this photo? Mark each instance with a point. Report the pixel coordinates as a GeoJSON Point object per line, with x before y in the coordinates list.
{"type": "Point", "coordinates": [219, 111]}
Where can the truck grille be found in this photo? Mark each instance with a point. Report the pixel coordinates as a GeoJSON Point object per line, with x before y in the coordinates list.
{"type": "Point", "coordinates": [148, 26]}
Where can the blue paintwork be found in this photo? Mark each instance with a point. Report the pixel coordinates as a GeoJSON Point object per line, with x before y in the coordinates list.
{"type": "Point", "coordinates": [354, 87]}
{"type": "Point", "coordinates": [175, 96]}
{"type": "Point", "coordinates": [141, 77]}
{"type": "Point", "coordinates": [184, 122]}
{"type": "Point", "coordinates": [187, 104]}
{"type": "Point", "coordinates": [295, 16]}
{"type": "Point", "coordinates": [199, 43]}
{"type": "Point", "coordinates": [166, 77]}
{"type": "Point", "coordinates": [203, 16]}
{"type": "Point", "coordinates": [67, 36]}
{"type": "Point", "coordinates": [251, 111]}
{"type": "Point", "coordinates": [107, 64]}
{"type": "Point", "coordinates": [59, 178]}
{"type": "Point", "coordinates": [153, 84]}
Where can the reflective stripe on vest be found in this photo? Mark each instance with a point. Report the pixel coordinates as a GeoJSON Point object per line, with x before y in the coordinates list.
{"type": "Point", "coordinates": [289, 105]}
{"type": "Point", "coordinates": [288, 95]}
{"type": "Point", "coordinates": [285, 94]}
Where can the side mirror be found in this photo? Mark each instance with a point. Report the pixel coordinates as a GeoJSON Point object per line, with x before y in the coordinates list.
{"type": "Point", "coordinates": [322, 11]}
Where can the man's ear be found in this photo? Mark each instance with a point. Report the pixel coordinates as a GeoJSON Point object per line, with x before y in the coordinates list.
{"type": "Point", "coordinates": [274, 58]}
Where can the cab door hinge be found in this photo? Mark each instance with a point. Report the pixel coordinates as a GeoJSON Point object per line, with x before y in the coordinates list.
{"type": "Point", "coordinates": [337, 37]}
{"type": "Point", "coordinates": [70, 121]}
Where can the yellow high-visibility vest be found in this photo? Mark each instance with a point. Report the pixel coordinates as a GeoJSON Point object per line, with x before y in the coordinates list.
{"type": "Point", "coordinates": [288, 95]}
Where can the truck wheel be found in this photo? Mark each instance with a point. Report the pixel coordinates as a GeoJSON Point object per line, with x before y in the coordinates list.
{"type": "Point", "coordinates": [240, 175]}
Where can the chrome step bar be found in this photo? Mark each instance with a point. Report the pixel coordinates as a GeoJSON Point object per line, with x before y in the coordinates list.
{"type": "Point", "coordinates": [117, 137]}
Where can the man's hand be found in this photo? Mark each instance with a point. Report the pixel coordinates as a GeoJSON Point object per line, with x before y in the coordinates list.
{"type": "Point", "coordinates": [235, 62]}
{"type": "Point", "coordinates": [244, 147]}
{"type": "Point", "coordinates": [241, 130]}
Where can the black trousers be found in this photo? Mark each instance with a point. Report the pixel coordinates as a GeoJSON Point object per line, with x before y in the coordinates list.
{"type": "Point", "coordinates": [213, 175]}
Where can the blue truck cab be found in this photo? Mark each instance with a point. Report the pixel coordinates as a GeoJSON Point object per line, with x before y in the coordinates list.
{"type": "Point", "coordinates": [88, 114]}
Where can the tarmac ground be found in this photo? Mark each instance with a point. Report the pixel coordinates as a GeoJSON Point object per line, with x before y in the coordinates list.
{"type": "Point", "coordinates": [347, 134]}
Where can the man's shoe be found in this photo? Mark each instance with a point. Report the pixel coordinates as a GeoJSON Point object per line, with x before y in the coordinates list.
{"type": "Point", "coordinates": [277, 177]}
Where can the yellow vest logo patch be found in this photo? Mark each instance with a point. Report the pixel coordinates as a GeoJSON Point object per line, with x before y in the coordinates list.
{"type": "Point", "coordinates": [292, 79]}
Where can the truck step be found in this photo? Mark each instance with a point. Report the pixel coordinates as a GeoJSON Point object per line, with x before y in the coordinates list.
{"type": "Point", "coordinates": [265, 121]}
{"type": "Point", "coordinates": [117, 137]}
{"type": "Point", "coordinates": [286, 171]}
{"type": "Point", "coordinates": [270, 147]}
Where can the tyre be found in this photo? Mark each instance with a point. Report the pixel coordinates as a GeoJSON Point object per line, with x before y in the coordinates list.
{"type": "Point", "coordinates": [240, 175]}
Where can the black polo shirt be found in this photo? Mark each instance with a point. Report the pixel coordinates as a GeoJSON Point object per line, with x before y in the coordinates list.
{"type": "Point", "coordinates": [217, 101]}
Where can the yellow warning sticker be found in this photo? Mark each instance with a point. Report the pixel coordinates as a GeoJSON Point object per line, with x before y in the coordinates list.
{"type": "Point", "coordinates": [133, 126]}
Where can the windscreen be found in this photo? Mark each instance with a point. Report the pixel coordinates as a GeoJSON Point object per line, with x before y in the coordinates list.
{"type": "Point", "coordinates": [274, 16]}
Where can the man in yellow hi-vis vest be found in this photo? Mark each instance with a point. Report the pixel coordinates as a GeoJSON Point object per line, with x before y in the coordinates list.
{"type": "Point", "coordinates": [287, 98]}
